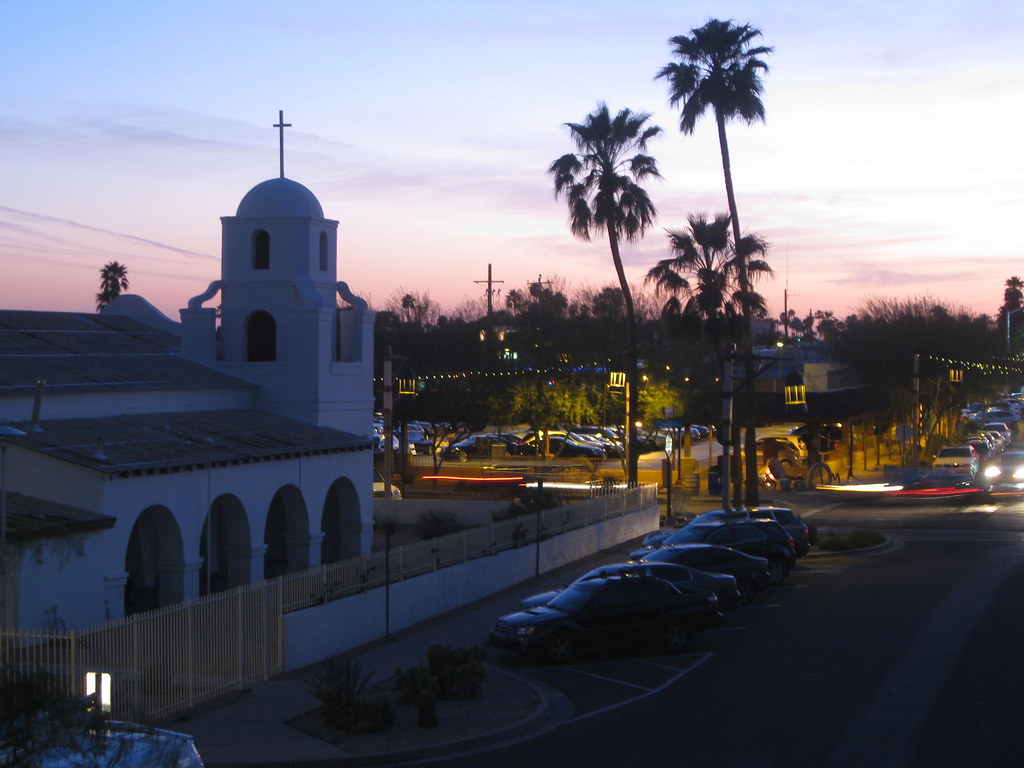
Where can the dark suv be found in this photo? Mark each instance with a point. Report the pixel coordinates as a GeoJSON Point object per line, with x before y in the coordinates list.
{"type": "Point", "coordinates": [763, 538]}
{"type": "Point", "coordinates": [751, 573]}
{"type": "Point", "coordinates": [784, 516]}
{"type": "Point", "coordinates": [608, 612]}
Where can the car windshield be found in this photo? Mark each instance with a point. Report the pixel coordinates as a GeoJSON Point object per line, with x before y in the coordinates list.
{"type": "Point", "coordinates": [575, 598]}
{"type": "Point", "coordinates": [955, 452]}
{"type": "Point", "coordinates": [687, 535]}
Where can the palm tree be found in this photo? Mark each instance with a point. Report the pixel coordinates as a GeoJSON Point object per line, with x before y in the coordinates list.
{"type": "Point", "coordinates": [113, 280]}
{"type": "Point", "coordinates": [1013, 300]}
{"type": "Point", "coordinates": [719, 70]}
{"type": "Point", "coordinates": [702, 277]}
{"type": "Point", "coordinates": [602, 185]}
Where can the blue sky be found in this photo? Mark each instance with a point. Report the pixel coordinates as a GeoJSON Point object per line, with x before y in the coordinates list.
{"type": "Point", "coordinates": [890, 162]}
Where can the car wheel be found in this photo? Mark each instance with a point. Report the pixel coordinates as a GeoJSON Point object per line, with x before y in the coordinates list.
{"type": "Point", "coordinates": [561, 647]}
{"type": "Point", "coordinates": [462, 456]}
{"type": "Point", "coordinates": [747, 590]}
{"type": "Point", "coordinates": [777, 571]}
{"type": "Point", "coordinates": [676, 637]}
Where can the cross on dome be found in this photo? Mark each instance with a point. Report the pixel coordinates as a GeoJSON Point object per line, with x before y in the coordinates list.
{"type": "Point", "coordinates": [281, 125]}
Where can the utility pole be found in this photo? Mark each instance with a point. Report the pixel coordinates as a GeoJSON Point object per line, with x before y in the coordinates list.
{"type": "Point", "coordinates": [491, 291]}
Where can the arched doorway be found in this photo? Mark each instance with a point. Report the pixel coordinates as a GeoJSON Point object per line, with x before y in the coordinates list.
{"type": "Point", "coordinates": [286, 534]}
{"type": "Point", "coordinates": [341, 523]}
{"type": "Point", "coordinates": [230, 546]}
{"type": "Point", "coordinates": [154, 561]}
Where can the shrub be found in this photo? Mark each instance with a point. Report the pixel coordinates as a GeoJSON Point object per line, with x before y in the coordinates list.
{"type": "Point", "coordinates": [340, 685]}
{"type": "Point", "coordinates": [858, 539]}
{"type": "Point", "coordinates": [430, 525]}
{"type": "Point", "coordinates": [460, 672]}
{"type": "Point", "coordinates": [449, 673]}
{"type": "Point", "coordinates": [511, 512]}
{"type": "Point", "coordinates": [413, 681]}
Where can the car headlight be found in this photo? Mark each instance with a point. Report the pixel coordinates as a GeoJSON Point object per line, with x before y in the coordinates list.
{"type": "Point", "coordinates": [992, 471]}
{"type": "Point", "coordinates": [525, 631]}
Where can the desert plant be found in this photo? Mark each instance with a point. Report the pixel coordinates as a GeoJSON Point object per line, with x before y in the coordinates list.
{"type": "Point", "coordinates": [341, 686]}
{"type": "Point", "coordinates": [511, 512]}
{"type": "Point", "coordinates": [859, 539]}
{"type": "Point", "coordinates": [430, 525]}
{"type": "Point", "coordinates": [411, 682]}
{"type": "Point", "coordinates": [448, 673]}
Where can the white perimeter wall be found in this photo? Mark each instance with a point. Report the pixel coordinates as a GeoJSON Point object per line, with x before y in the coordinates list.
{"type": "Point", "coordinates": [327, 630]}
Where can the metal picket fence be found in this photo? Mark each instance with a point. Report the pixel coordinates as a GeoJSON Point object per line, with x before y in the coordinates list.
{"type": "Point", "coordinates": [173, 658]}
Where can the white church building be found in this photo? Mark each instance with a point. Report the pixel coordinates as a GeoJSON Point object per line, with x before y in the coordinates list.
{"type": "Point", "coordinates": [148, 461]}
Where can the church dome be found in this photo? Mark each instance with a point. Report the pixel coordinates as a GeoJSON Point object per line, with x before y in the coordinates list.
{"type": "Point", "coordinates": [279, 199]}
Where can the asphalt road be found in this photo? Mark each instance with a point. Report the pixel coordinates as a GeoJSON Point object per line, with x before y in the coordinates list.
{"type": "Point", "coordinates": [904, 657]}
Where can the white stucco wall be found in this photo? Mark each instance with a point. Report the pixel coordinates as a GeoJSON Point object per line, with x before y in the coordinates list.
{"type": "Point", "coordinates": [78, 580]}
{"type": "Point", "coordinates": [317, 633]}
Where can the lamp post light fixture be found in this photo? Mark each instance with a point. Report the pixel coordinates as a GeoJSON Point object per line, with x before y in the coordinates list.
{"type": "Point", "coordinates": [795, 390]}
{"type": "Point", "coordinates": [5, 433]}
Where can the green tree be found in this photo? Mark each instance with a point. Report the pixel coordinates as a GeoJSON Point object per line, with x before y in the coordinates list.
{"type": "Point", "coordinates": [877, 346]}
{"type": "Point", "coordinates": [113, 280]}
{"type": "Point", "coordinates": [602, 185]}
{"type": "Point", "coordinates": [719, 69]}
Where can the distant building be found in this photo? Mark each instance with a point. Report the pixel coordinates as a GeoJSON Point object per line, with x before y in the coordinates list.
{"type": "Point", "coordinates": [162, 460]}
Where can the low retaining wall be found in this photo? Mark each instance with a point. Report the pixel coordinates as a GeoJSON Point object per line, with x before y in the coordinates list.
{"type": "Point", "coordinates": [314, 634]}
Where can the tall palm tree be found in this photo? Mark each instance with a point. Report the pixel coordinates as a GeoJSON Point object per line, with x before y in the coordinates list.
{"type": "Point", "coordinates": [718, 69]}
{"type": "Point", "coordinates": [113, 280]}
{"type": "Point", "coordinates": [602, 185]}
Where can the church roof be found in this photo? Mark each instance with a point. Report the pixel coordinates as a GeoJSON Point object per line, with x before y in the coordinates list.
{"type": "Point", "coordinates": [82, 353]}
{"type": "Point", "coordinates": [144, 443]}
{"type": "Point", "coordinates": [31, 518]}
{"type": "Point", "coordinates": [279, 199]}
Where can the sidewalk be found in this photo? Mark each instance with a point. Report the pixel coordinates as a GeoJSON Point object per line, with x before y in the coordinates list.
{"type": "Point", "coordinates": [250, 728]}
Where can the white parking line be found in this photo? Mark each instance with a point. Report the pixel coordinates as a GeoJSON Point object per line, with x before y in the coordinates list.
{"type": "Point", "coordinates": [647, 691]}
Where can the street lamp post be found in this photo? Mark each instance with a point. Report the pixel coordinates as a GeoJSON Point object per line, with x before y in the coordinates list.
{"type": "Point", "coordinates": [1009, 315]}
{"type": "Point", "coordinates": [5, 432]}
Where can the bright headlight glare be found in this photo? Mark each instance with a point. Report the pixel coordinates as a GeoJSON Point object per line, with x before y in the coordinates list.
{"type": "Point", "coordinates": [992, 472]}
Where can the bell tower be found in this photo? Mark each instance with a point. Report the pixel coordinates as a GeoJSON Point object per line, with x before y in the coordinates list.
{"type": "Point", "coordinates": [281, 326]}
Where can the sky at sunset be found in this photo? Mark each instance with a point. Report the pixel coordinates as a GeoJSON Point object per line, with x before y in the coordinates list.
{"type": "Point", "coordinates": [890, 162]}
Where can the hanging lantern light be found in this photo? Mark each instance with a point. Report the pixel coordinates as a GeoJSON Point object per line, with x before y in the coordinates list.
{"type": "Point", "coordinates": [795, 390]}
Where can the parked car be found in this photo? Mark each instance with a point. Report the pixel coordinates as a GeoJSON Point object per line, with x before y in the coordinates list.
{"type": "Point", "coordinates": [478, 447]}
{"type": "Point", "coordinates": [378, 486]}
{"type": "Point", "coordinates": [751, 573]}
{"type": "Point", "coordinates": [961, 460]}
{"type": "Point", "coordinates": [790, 521]}
{"type": "Point", "coordinates": [763, 538]}
{"type": "Point", "coordinates": [1001, 427]}
{"type": "Point", "coordinates": [560, 444]}
{"type": "Point", "coordinates": [118, 745]}
{"type": "Point", "coordinates": [680, 576]}
{"type": "Point", "coordinates": [608, 612]}
{"type": "Point", "coordinates": [981, 446]}
{"type": "Point", "coordinates": [612, 447]}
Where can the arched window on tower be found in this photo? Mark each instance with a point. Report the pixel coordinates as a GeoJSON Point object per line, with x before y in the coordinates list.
{"type": "Point", "coordinates": [260, 338]}
{"type": "Point", "coordinates": [323, 251]}
{"type": "Point", "coordinates": [261, 249]}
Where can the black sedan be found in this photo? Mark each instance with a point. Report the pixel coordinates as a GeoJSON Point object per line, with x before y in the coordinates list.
{"type": "Point", "coordinates": [604, 613]}
{"type": "Point", "coordinates": [751, 572]}
{"type": "Point", "coordinates": [681, 577]}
